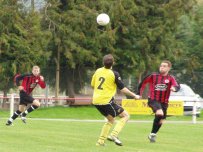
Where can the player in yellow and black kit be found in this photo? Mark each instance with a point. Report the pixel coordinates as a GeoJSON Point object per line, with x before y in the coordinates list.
{"type": "Point", "coordinates": [105, 82]}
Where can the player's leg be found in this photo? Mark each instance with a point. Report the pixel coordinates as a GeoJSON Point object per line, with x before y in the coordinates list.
{"type": "Point", "coordinates": [28, 99]}
{"type": "Point", "coordinates": [34, 106]}
{"type": "Point", "coordinates": [124, 117]}
{"type": "Point", "coordinates": [157, 121]}
{"type": "Point", "coordinates": [162, 116]}
{"type": "Point", "coordinates": [104, 110]}
{"type": "Point", "coordinates": [105, 130]}
{"type": "Point", "coordinates": [16, 114]}
{"type": "Point", "coordinates": [157, 109]}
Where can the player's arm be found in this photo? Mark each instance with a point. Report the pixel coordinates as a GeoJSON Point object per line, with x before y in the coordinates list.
{"type": "Point", "coordinates": [126, 91]}
{"type": "Point", "coordinates": [18, 78]}
{"type": "Point", "coordinates": [143, 83]}
{"type": "Point", "coordinates": [175, 85]}
{"type": "Point", "coordinates": [122, 88]}
{"type": "Point", "coordinates": [41, 82]}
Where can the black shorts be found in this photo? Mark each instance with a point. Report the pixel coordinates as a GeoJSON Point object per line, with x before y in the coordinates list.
{"type": "Point", "coordinates": [25, 98]}
{"type": "Point", "coordinates": [155, 105]}
{"type": "Point", "coordinates": [112, 109]}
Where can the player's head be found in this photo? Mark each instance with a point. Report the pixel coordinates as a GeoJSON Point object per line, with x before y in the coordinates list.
{"type": "Point", "coordinates": [165, 67]}
{"type": "Point", "coordinates": [108, 61]}
{"type": "Point", "coordinates": [35, 70]}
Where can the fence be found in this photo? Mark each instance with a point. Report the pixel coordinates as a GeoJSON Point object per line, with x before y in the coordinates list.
{"type": "Point", "coordinates": [12, 101]}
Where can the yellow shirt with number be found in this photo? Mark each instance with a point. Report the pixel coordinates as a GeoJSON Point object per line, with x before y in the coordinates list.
{"type": "Point", "coordinates": [105, 82]}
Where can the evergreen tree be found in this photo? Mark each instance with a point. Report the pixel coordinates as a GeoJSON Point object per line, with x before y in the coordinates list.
{"type": "Point", "coordinates": [76, 35]}
{"type": "Point", "coordinates": [140, 34]}
{"type": "Point", "coordinates": [190, 65]}
{"type": "Point", "coordinates": [21, 42]}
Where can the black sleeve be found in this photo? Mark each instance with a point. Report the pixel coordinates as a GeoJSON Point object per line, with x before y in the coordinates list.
{"type": "Point", "coordinates": [118, 80]}
{"type": "Point", "coordinates": [19, 78]}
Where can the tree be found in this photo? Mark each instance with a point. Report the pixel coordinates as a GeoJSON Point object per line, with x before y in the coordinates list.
{"type": "Point", "coordinates": [190, 66]}
{"type": "Point", "coordinates": [76, 35]}
{"type": "Point", "coordinates": [144, 33]}
{"type": "Point", "coordinates": [21, 42]}
{"type": "Point", "coordinates": [140, 34]}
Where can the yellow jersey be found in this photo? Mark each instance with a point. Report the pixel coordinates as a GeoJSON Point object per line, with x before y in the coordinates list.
{"type": "Point", "coordinates": [105, 83]}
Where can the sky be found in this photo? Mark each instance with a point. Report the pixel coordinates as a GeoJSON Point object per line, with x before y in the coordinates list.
{"type": "Point", "coordinates": [38, 3]}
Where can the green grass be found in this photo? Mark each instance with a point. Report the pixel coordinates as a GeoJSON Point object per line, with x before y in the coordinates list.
{"type": "Point", "coordinates": [64, 136]}
{"type": "Point", "coordinates": [87, 112]}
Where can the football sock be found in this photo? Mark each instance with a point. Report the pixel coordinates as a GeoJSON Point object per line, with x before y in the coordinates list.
{"type": "Point", "coordinates": [104, 132]}
{"type": "Point", "coordinates": [119, 126]}
{"type": "Point", "coordinates": [158, 127]}
{"type": "Point", "coordinates": [156, 124]}
{"type": "Point", "coordinates": [15, 115]}
{"type": "Point", "coordinates": [30, 109]}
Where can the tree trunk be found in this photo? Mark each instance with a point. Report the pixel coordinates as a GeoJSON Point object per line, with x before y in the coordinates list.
{"type": "Point", "coordinates": [57, 75]}
{"type": "Point", "coordinates": [140, 77]}
{"type": "Point", "coordinates": [33, 5]}
{"type": "Point", "coordinates": [70, 91]}
{"type": "Point", "coordinates": [4, 100]}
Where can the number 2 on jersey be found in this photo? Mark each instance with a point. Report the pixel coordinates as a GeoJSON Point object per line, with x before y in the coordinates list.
{"type": "Point", "coordinates": [102, 79]}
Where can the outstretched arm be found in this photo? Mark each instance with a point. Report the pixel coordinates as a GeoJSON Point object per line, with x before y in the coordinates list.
{"type": "Point", "coordinates": [126, 91]}
{"type": "Point", "coordinates": [121, 86]}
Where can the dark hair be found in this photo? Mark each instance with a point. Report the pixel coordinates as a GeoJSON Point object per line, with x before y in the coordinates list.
{"type": "Point", "coordinates": [108, 61]}
{"type": "Point", "coordinates": [168, 62]}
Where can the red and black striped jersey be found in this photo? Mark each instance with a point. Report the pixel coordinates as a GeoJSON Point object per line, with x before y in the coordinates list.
{"type": "Point", "coordinates": [159, 86]}
{"type": "Point", "coordinates": [29, 82]}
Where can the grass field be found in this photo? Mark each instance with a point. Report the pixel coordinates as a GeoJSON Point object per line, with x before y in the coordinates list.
{"type": "Point", "coordinates": [87, 112]}
{"type": "Point", "coordinates": [69, 136]}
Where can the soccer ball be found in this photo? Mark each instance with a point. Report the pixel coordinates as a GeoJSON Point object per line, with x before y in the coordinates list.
{"type": "Point", "coordinates": [103, 19]}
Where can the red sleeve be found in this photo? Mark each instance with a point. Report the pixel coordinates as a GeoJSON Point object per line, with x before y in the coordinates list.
{"type": "Point", "coordinates": [142, 85]}
{"type": "Point", "coordinates": [42, 84]}
{"type": "Point", "coordinates": [175, 83]}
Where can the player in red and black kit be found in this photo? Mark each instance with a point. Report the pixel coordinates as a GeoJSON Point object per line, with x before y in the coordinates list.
{"type": "Point", "coordinates": [29, 82]}
{"type": "Point", "coordinates": [160, 86]}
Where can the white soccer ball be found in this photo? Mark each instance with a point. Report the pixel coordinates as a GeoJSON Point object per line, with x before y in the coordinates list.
{"type": "Point", "coordinates": [103, 19]}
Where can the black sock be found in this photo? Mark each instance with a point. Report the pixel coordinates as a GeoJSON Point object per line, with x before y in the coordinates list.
{"type": "Point", "coordinates": [156, 124]}
{"type": "Point", "coordinates": [159, 126]}
{"type": "Point", "coordinates": [30, 109]}
{"type": "Point", "coordinates": [16, 114]}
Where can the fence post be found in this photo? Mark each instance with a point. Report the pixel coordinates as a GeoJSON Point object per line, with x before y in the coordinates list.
{"type": "Point", "coordinates": [194, 114]}
{"type": "Point", "coordinates": [46, 95]}
{"type": "Point", "coordinates": [12, 104]}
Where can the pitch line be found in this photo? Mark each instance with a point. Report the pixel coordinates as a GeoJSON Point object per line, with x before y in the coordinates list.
{"type": "Point", "coordinates": [130, 121]}
{"type": "Point", "coordinates": [94, 120]}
